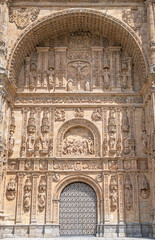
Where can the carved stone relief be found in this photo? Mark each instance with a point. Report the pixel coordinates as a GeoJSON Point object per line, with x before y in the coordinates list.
{"type": "Point", "coordinates": [97, 115]}
{"type": "Point", "coordinates": [22, 17]}
{"type": "Point", "coordinates": [42, 194]}
{"type": "Point", "coordinates": [27, 195]}
{"type": "Point", "coordinates": [113, 193]}
{"type": "Point", "coordinates": [11, 137]}
{"type": "Point", "coordinates": [128, 192]}
{"type": "Point", "coordinates": [79, 113]}
{"type": "Point", "coordinates": [144, 186]}
{"type": "Point", "coordinates": [11, 189]}
{"type": "Point", "coordinates": [59, 115]}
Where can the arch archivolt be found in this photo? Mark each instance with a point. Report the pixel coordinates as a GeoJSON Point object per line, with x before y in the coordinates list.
{"type": "Point", "coordinates": [78, 123]}
{"type": "Point", "coordinates": [72, 179]}
{"type": "Point", "coordinates": [66, 21]}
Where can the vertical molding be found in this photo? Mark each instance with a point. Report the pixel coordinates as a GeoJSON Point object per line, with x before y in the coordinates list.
{"type": "Point", "coordinates": [135, 197]}
{"type": "Point", "coordinates": [49, 199]}
{"type": "Point", "coordinates": [121, 198]}
{"type": "Point", "coordinates": [34, 198]}
{"type": "Point", "coordinates": [19, 198]}
{"type": "Point", "coordinates": [106, 198]}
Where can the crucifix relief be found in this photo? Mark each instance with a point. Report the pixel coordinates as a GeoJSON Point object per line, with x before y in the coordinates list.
{"type": "Point", "coordinates": [79, 72]}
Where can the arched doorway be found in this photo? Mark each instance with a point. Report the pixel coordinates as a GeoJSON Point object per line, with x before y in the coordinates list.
{"type": "Point", "coordinates": [78, 210]}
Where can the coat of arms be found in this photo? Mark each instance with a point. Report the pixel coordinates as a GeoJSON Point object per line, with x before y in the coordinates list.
{"type": "Point", "coordinates": [22, 17]}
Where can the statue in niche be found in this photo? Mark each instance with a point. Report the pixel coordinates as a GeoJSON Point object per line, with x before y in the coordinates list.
{"type": "Point", "coordinates": [144, 187]}
{"type": "Point", "coordinates": [33, 76]}
{"type": "Point", "coordinates": [44, 144]}
{"type": "Point", "coordinates": [11, 189]}
{"type": "Point", "coordinates": [44, 83]}
{"type": "Point", "coordinates": [30, 144]}
{"type": "Point", "coordinates": [38, 84]}
{"type": "Point", "coordinates": [97, 115]}
{"type": "Point", "coordinates": [113, 193]}
{"type": "Point", "coordinates": [106, 76]}
{"type": "Point", "coordinates": [42, 194]}
{"type": "Point", "coordinates": [79, 113]}
{"type": "Point", "coordinates": [59, 115]}
{"type": "Point", "coordinates": [125, 122]}
{"type": "Point", "coordinates": [132, 147]}
{"type": "Point", "coordinates": [12, 122]}
{"type": "Point", "coordinates": [23, 146]}
{"type": "Point", "coordinates": [128, 193]}
{"type": "Point", "coordinates": [145, 141]}
{"type": "Point", "coordinates": [124, 75]}
{"type": "Point", "coordinates": [37, 147]}
{"type": "Point", "coordinates": [119, 146]}
{"type": "Point", "coordinates": [126, 144]}
{"type": "Point", "coordinates": [27, 195]}
{"type": "Point", "coordinates": [70, 85]}
{"type": "Point", "coordinates": [51, 74]}
{"type": "Point", "coordinates": [11, 143]}
{"type": "Point", "coordinates": [112, 141]}
{"type": "Point", "coordinates": [31, 128]}
{"type": "Point", "coordinates": [28, 165]}
{"type": "Point", "coordinates": [111, 122]}
{"type": "Point", "coordinates": [45, 122]}
{"type": "Point", "coordinates": [105, 147]}
{"type": "Point", "coordinates": [87, 86]}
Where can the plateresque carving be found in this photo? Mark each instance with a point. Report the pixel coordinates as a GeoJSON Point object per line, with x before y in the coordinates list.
{"type": "Point", "coordinates": [11, 189]}
{"type": "Point", "coordinates": [22, 17]}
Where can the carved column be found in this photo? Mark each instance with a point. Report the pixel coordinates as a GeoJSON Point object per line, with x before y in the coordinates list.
{"type": "Point", "coordinates": [19, 198]}
{"type": "Point", "coordinates": [97, 78]}
{"type": "Point", "coordinates": [121, 205]}
{"type": "Point", "coordinates": [34, 198]}
{"type": "Point", "coordinates": [106, 198]}
{"type": "Point", "coordinates": [137, 227]}
{"type": "Point", "coordinates": [49, 199]}
{"type": "Point", "coordinates": [151, 28]}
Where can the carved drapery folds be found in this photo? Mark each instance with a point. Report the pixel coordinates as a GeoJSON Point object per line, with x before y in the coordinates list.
{"type": "Point", "coordinates": [11, 189]}
{"type": "Point", "coordinates": [128, 193]}
{"type": "Point", "coordinates": [113, 193]}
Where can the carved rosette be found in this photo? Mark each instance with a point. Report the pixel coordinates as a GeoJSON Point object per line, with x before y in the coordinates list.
{"type": "Point", "coordinates": [11, 189]}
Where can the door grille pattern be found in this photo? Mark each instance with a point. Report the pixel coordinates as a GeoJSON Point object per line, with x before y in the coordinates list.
{"type": "Point", "coordinates": [78, 210]}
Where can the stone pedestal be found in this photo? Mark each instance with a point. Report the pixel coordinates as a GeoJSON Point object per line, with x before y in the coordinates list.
{"type": "Point", "coordinates": [110, 231]}
{"type": "Point", "coordinates": [122, 230]}
{"type": "Point", "coordinates": [137, 230]}
{"type": "Point", "coordinates": [51, 231]}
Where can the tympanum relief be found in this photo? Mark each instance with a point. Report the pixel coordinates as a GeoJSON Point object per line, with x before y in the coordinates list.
{"type": "Point", "coordinates": [78, 62]}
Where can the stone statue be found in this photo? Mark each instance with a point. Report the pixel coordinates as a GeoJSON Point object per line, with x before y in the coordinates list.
{"type": "Point", "coordinates": [11, 142]}
{"type": "Point", "coordinates": [27, 195]}
{"type": "Point", "coordinates": [51, 74]}
{"type": "Point", "coordinates": [124, 76]}
{"type": "Point", "coordinates": [112, 141]}
{"type": "Point", "coordinates": [144, 187]}
{"type": "Point", "coordinates": [126, 144]}
{"type": "Point", "coordinates": [125, 122]}
{"type": "Point", "coordinates": [11, 189]}
{"type": "Point", "coordinates": [128, 193]}
{"type": "Point", "coordinates": [30, 144]}
{"type": "Point", "coordinates": [44, 144]}
{"type": "Point", "coordinates": [111, 122]}
{"type": "Point", "coordinates": [70, 85]}
{"type": "Point", "coordinates": [106, 76]}
{"type": "Point", "coordinates": [33, 76]}
{"type": "Point", "coordinates": [97, 115]}
{"type": "Point", "coordinates": [42, 194]}
{"type": "Point", "coordinates": [87, 86]}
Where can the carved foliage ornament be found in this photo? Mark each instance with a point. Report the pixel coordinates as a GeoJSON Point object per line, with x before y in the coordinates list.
{"type": "Point", "coordinates": [22, 17]}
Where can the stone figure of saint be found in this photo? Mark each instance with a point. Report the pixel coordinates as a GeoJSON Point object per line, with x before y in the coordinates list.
{"type": "Point", "coordinates": [111, 142]}
{"type": "Point", "coordinates": [124, 76]}
{"type": "Point", "coordinates": [11, 189]}
{"type": "Point", "coordinates": [106, 76]}
{"type": "Point", "coordinates": [44, 143]}
{"type": "Point", "coordinates": [30, 144]}
{"type": "Point", "coordinates": [33, 76]}
{"type": "Point", "coordinates": [41, 200]}
{"type": "Point", "coordinates": [26, 202]}
{"type": "Point", "coordinates": [11, 142]}
{"type": "Point", "coordinates": [90, 146]}
{"type": "Point", "coordinates": [51, 74]}
{"type": "Point", "coordinates": [126, 144]}
{"type": "Point", "coordinates": [70, 85]}
{"type": "Point", "coordinates": [87, 86]}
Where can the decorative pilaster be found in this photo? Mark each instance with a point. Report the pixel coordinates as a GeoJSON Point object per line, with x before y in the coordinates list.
{"type": "Point", "coordinates": [106, 198]}
{"type": "Point", "coordinates": [121, 205]}
{"type": "Point", "coordinates": [49, 199]}
{"type": "Point", "coordinates": [34, 199]}
{"type": "Point", "coordinates": [19, 198]}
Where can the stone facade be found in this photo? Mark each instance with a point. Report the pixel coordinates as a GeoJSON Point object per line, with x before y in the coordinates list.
{"type": "Point", "coordinates": [77, 104]}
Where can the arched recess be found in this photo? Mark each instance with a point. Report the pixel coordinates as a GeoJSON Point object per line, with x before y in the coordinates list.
{"type": "Point", "coordinates": [78, 123]}
{"type": "Point", "coordinates": [78, 178]}
{"type": "Point", "coordinates": [70, 20]}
